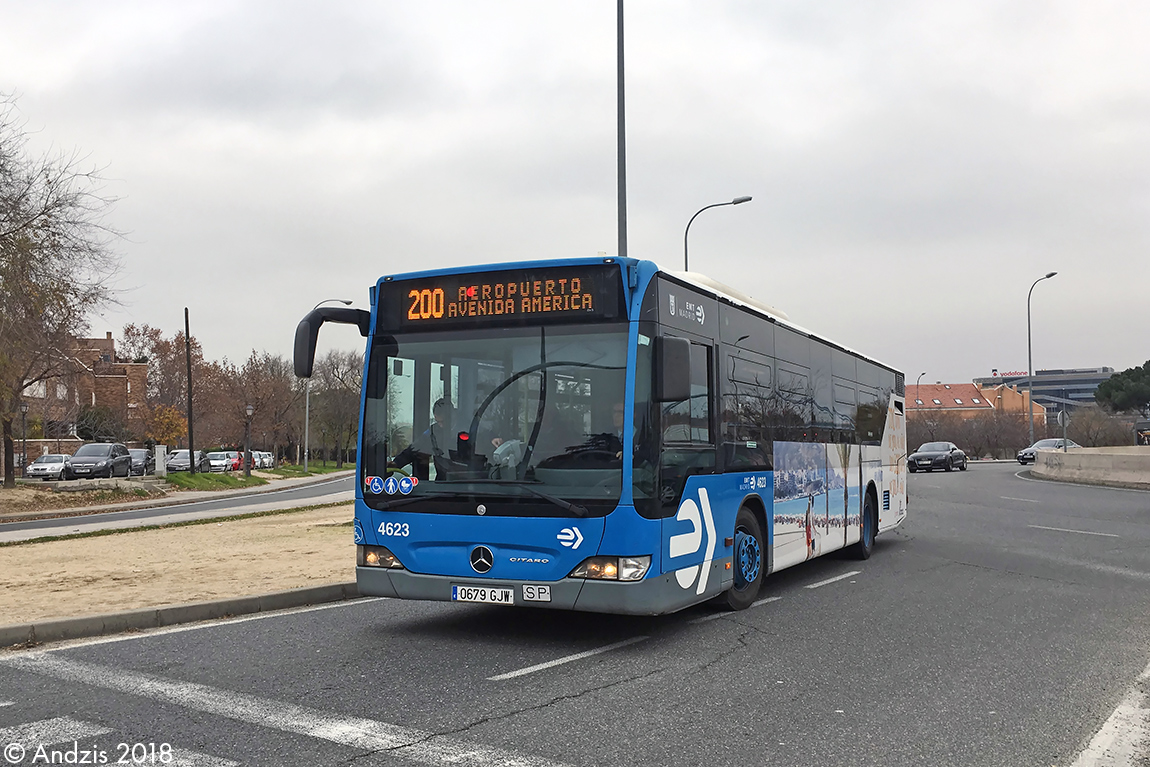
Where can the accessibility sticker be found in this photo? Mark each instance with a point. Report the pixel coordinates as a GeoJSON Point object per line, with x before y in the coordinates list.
{"type": "Point", "coordinates": [391, 485]}
{"type": "Point", "coordinates": [375, 484]}
{"type": "Point", "coordinates": [405, 485]}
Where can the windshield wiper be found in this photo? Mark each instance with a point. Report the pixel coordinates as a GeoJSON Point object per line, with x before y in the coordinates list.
{"type": "Point", "coordinates": [572, 508]}
{"type": "Point", "coordinates": [402, 502]}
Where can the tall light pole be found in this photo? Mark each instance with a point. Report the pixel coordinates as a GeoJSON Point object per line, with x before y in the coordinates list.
{"type": "Point", "coordinates": [917, 384]}
{"type": "Point", "coordinates": [1030, 359]}
{"type": "Point", "coordinates": [621, 131]}
{"type": "Point", "coordinates": [307, 391]}
{"type": "Point", "coordinates": [248, 441]}
{"type": "Point", "coordinates": [736, 201]}
{"type": "Point", "coordinates": [24, 429]}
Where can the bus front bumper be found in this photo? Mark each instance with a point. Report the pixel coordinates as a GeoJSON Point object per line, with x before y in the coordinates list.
{"type": "Point", "coordinates": [655, 595]}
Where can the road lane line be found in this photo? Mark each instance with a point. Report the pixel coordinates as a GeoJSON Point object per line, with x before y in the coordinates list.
{"type": "Point", "coordinates": [716, 616]}
{"type": "Point", "coordinates": [72, 644]}
{"type": "Point", "coordinates": [4, 703]}
{"type": "Point", "coordinates": [182, 757]}
{"type": "Point", "coordinates": [354, 732]}
{"type": "Point", "coordinates": [832, 580]}
{"type": "Point", "coordinates": [1024, 500]}
{"type": "Point", "coordinates": [45, 732]}
{"type": "Point", "coordinates": [1081, 532]}
{"type": "Point", "coordinates": [566, 659]}
{"type": "Point", "coordinates": [1122, 737]}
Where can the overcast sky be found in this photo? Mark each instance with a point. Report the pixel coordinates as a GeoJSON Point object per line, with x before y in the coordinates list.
{"type": "Point", "coordinates": [915, 166]}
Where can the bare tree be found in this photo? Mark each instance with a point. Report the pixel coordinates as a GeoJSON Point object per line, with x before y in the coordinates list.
{"type": "Point", "coordinates": [340, 378]}
{"type": "Point", "coordinates": [56, 263]}
{"type": "Point", "coordinates": [1094, 427]}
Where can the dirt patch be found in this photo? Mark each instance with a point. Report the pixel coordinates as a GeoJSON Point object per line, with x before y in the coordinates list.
{"type": "Point", "coordinates": [33, 498]}
{"type": "Point", "coordinates": [150, 568]}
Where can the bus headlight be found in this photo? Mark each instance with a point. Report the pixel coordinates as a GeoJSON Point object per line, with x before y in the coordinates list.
{"type": "Point", "coordinates": [376, 556]}
{"type": "Point", "coordinates": [613, 568]}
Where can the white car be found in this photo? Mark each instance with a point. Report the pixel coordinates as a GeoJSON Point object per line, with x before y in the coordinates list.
{"type": "Point", "coordinates": [219, 462]}
{"type": "Point", "coordinates": [46, 467]}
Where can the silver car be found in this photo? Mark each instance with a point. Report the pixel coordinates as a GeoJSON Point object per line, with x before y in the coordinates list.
{"type": "Point", "coordinates": [49, 466]}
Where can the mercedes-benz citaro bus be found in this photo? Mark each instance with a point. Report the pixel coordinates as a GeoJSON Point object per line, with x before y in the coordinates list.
{"type": "Point", "coordinates": [598, 434]}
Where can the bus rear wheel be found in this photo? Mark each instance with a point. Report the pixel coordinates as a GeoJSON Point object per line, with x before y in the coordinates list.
{"type": "Point", "coordinates": [749, 561]}
{"type": "Point", "coordinates": [862, 549]}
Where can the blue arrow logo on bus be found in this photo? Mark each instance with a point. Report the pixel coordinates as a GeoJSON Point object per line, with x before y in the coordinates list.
{"type": "Point", "coordinates": [570, 537]}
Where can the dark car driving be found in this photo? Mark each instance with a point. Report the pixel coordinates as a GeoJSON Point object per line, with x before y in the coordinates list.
{"type": "Point", "coordinates": [99, 459]}
{"type": "Point", "coordinates": [1026, 454]}
{"type": "Point", "coordinates": [937, 455]}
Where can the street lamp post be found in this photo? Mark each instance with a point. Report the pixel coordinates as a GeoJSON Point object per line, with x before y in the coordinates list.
{"type": "Point", "coordinates": [916, 385]}
{"type": "Point", "coordinates": [248, 441]}
{"type": "Point", "coordinates": [736, 201]}
{"type": "Point", "coordinates": [1030, 359]}
{"type": "Point", "coordinates": [24, 429]}
{"type": "Point", "coordinates": [307, 391]}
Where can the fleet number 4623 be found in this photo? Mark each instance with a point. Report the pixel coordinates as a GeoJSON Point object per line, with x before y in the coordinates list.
{"type": "Point", "coordinates": [398, 529]}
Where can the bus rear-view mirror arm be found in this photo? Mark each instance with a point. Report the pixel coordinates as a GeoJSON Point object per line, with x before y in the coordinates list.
{"type": "Point", "coordinates": [307, 331]}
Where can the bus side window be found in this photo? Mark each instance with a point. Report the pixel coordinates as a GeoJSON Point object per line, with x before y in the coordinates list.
{"type": "Point", "coordinates": [688, 445]}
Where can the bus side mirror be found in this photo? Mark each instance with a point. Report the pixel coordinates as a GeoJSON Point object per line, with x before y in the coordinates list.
{"type": "Point", "coordinates": [672, 369]}
{"type": "Point", "coordinates": [306, 333]}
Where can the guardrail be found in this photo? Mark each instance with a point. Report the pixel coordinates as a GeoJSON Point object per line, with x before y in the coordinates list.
{"type": "Point", "coordinates": [1118, 466]}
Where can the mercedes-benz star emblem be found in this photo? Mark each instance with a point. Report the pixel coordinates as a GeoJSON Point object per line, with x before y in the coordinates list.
{"type": "Point", "coordinates": [481, 559]}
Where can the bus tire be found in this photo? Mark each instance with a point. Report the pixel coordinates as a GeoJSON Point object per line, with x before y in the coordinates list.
{"type": "Point", "coordinates": [863, 549]}
{"type": "Point", "coordinates": [749, 561]}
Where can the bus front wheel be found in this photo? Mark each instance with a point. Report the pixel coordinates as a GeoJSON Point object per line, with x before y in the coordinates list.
{"type": "Point", "coordinates": [749, 563]}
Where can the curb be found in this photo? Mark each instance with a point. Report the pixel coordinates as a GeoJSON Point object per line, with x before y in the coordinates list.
{"type": "Point", "coordinates": [171, 500]}
{"type": "Point", "coordinates": [155, 617]}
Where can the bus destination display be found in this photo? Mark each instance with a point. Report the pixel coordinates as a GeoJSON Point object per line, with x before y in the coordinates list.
{"type": "Point", "coordinates": [539, 295]}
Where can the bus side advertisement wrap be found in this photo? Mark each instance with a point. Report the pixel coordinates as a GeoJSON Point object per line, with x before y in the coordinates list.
{"type": "Point", "coordinates": [541, 295]}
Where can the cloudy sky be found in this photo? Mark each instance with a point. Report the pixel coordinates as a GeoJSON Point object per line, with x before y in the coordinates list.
{"type": "Point", "coordinates": [915, 166]}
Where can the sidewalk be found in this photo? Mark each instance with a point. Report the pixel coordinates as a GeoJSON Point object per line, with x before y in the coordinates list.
{"type": "Point", "coordinates": [176, 498]}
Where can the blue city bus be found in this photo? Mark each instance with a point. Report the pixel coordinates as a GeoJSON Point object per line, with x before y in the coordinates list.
{"type": "Point", "coordinates": [599, 434]}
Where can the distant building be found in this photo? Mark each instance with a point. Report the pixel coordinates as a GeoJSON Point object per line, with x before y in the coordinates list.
{"type": "Point", "coordinates": [1055, 389]}
{"type": "Point", "coordinates": [968, 400]}
{"type": "Point", "coordinates": [94, 378]}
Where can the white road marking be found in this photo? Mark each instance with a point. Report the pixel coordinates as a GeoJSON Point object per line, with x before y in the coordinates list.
{"type": "Point", "coordinates": [566, 659]}
{"type": "Point", "coordinates": [181, 757]}
{"type": "Point", "coordinates": [716, 616]}
{"type": "Point", "coordinates": [354, 732]}
{"type": "Point", "coordinates": [711, 617]}
{"type": "Point", "coordinates": [832, 580]}
{"type": "Point", "coordinates": [4, 703]}
{"type": "Point", "coordinates": [146, 633]}
{"type": "Point", "coordinates": [1081, 532]}
{"type": "Point", "coordinates": [1024, 500]}
{"type": "Point", "coordinates": [62, 729]}
{"type": "Point", "coordinates": [1124, 735]}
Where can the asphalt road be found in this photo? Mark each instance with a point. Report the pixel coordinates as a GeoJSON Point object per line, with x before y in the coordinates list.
{"type": "Point", "coordinates": [330, 491]}
{"type": "Point", "coordinates": [1001, 625]}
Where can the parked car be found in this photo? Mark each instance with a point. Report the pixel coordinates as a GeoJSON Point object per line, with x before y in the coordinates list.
{"type": "Point", "coordinates": [1026, 454]}
{"type": "Point", "coordinates": [219, 461]}
{"type": "Point", "coordinates": [50, 466]}
{"type": "Point", "coordinates": [179, 461]}
{"type": "Point", "coordinates": [99, 459]}
{"type": "Point", "coordinates": [268, 461]}
{"type": "Point", "coordinates": [236, 459]}
{"type": "Point", "coordinates": [937, 455]}
{"type": "Point", "coordinates": [143, 462]}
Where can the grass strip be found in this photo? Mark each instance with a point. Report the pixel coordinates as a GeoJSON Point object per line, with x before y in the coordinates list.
{"type": "Point", "coordinates": [203, 481]}
{"type": "Point", "coordinates": [185, 523]}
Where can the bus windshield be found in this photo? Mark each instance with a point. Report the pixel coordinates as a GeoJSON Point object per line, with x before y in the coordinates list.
{"type": "Point", "coordinates": [521, 418]}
